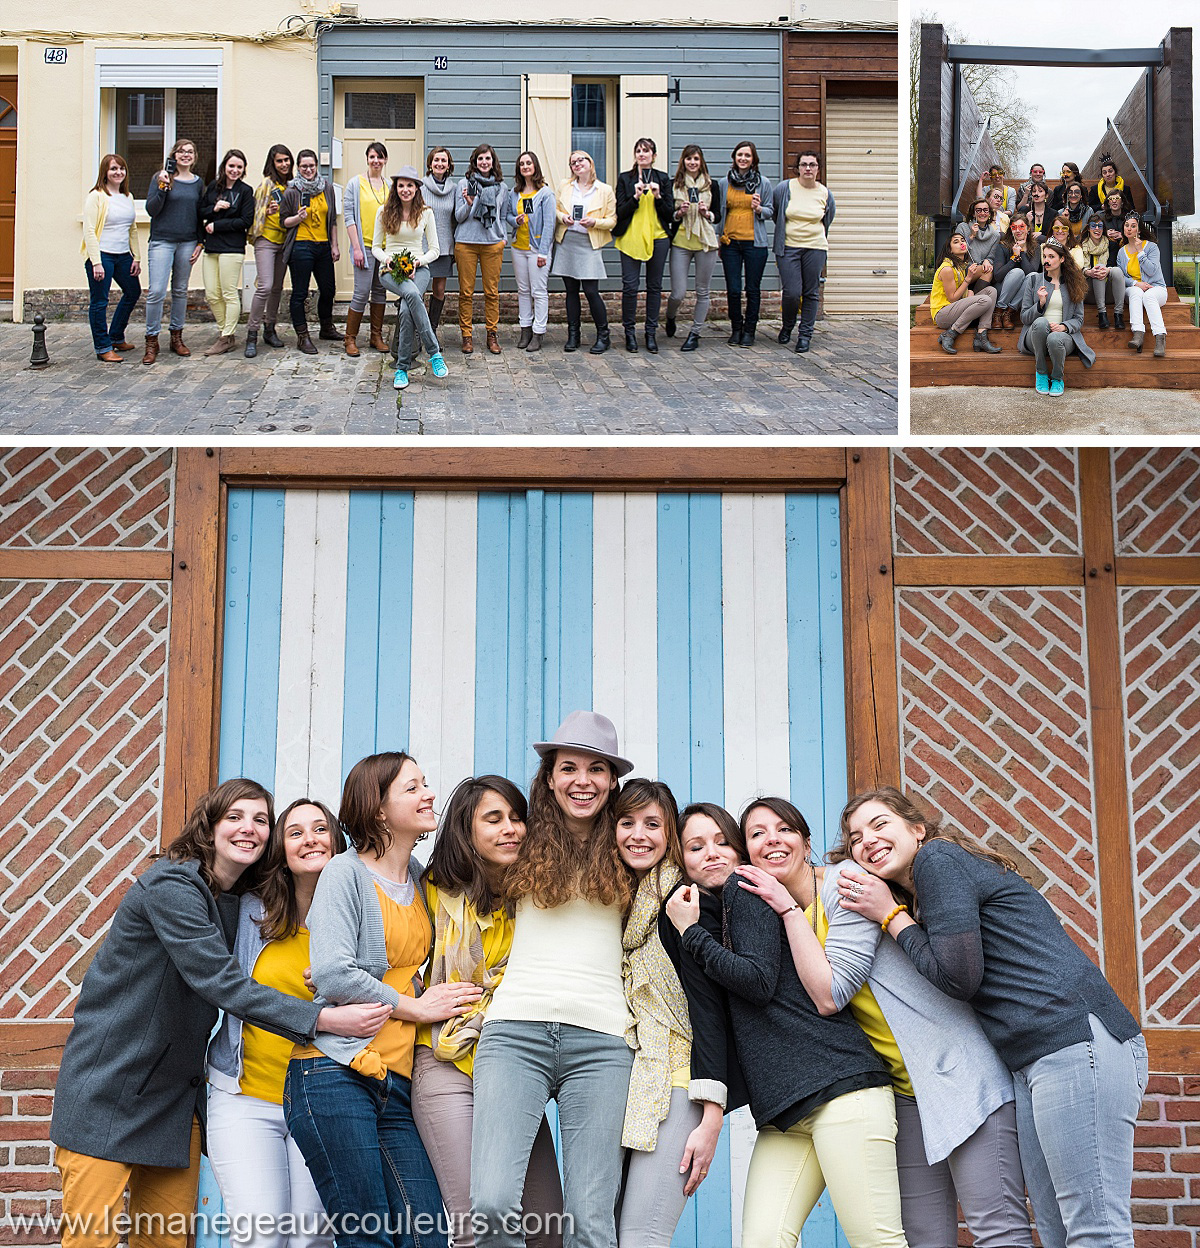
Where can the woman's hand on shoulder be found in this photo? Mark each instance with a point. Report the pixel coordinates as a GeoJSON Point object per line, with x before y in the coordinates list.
{"type": "Point", "coordinates": [354, 1020]}
{"type": "Point", "coordinates": [443, 1001]}
{"type": "Point", "coordinates": [865, 894]}
{"type": "Point", "coordinates": [762, 884]}
{"type": "Point", "coordinates": [683, 907]}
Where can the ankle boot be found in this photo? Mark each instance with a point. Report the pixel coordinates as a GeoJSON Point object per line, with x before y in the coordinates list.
{"type": "Point", "coordinates": [631, 341]}
{"type": "Point", "coordinates": [378, 312]}
{"type": "Point", "coordinates": [748, 332]}
{"type": "Point", "coordinates": [984, 343]}
{"type": "Point", "coordinates": [535, 342]}
{"type": "Point", "coordinates": [572, 343]}
{"type": "Point", "coordinates": [602, 343]}
{"type": "Point", "coordinates": [789, 310]}
{"type": "Point", "coordinates": [1160, 346]}
{"type": "Point", "coordinates": [151, 349]}
{"type": "Point", "coordinates": [946, 342]}
{"type": "Point", "coordinates": [304, 342]}
{"type": "Point", "coordinates": [269, 336]}
{"type": "Point", "coordinates": [177, 344]}
{"type": "Point", "coordinates": [350, 338]}
{"type": "Point", "coordinates": [1118, 319]}
{"type": "Point", "coordinates": [1103, 319]}
{"type": "Point", "coordinates": [525, 335]}
{"type": "Point", "coordinates": [1135, 341]}
{"type": "Point", "coordinates": [735, 327]}
{"type": "Point", "coordinates": [329, 332]}
{"type": "Point", "coordinates": [652, 341]}
{"type": "Point", "coordinates": [251, 343]}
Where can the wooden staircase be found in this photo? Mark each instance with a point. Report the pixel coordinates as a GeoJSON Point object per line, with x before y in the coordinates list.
{"type": "Point", "coordinates": [1115, 364]}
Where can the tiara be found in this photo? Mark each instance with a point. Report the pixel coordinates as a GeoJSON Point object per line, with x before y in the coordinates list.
{"type": "Point", "coordinates": [1106, 159]}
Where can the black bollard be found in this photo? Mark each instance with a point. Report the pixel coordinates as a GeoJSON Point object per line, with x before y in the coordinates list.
{"type": "Point", "coordinates": [39, 358]}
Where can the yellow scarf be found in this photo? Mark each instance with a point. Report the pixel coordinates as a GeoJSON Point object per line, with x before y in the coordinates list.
{"type": "Point", "coordinates": [457, 957]}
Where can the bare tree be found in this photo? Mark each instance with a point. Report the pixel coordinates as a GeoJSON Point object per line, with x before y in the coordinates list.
{"type": "Point", "coordinates": [994, 89]}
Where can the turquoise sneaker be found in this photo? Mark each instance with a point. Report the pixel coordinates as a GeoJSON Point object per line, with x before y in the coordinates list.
{"type": "Point", "coordinates": [438, 365]}
{"type": "Point", "coordinates": [400, 382]}
{"type": "Point", "coordinates": [1056, 387]}
{"type": "Point", "coordinates": [1041, 383]}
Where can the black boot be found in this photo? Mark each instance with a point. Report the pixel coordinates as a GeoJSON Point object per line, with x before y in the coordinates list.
{"type": "Point", "coordinates": [251, 343]}
{"type": "Point", "coordinates": [748, 331]}
{"type": "Point", "coordinates": [735, 326]}
{"type": "Point", "coordinates": [671, 326]}
{"type": "Point", "coordinates": [572, 343]}
{"type": "Point", "coordinates": [1103, 319]}
{"type": "Point", "coordinates": [984, 343]}
{"type": "Point", "coordinates": [790, 310]}
{"type": "Point", "coordinates": [652, 341]}
{"type": "Point", "coordinates": [946, 342]}
{"type": "Point", "coordinates": [269, 336]}
{"type": "Point", "coordinates": [525, 336]}
{"type": "Point", "coordinates": [602, 343]}
{"type": "Point", "coordinates": [631, 340]}
{"type": "Point", "coordinates": [329, 332]}
{"type": "Point", "coordinates": [691, 342]}
{"type": "Point", "coordinates": [1118, 319]}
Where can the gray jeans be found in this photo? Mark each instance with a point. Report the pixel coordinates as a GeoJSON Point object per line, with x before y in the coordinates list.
{"type": "Point", "coordinates": [1115, 281]}
{"type": "Point", "coordinates": [367, 282]}
{"type": "Point", "coordinates": [652, 1198]}
{"type": "Point", "coordinates": [269, 270]}
{"type": "Point", "coordinates": [519, 1067]}
{"type": "Point", "coordinates": [963, 312]}
{"type": "Point", "coordinates": [1076, 1111]}
{"type": "Point", "coordinates": [681, 263]}
{"type": "Point", "coordinates": [443, 1104]}
{"type": "Point", "coordinates": [1050, 348]}
{"type": "Point", "coordinates": [414, 319]}
{"type": "Point", "coordinates": [983, 1174]}
{"type": "Point", "coordinates": [1010, 289]}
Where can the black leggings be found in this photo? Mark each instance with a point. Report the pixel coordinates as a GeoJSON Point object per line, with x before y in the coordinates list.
{"type": "Point", "coordinates": [591, 290]}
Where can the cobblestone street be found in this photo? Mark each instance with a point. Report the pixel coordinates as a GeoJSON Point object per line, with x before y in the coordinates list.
{"type": "Point", "coordinates": [846, 385]}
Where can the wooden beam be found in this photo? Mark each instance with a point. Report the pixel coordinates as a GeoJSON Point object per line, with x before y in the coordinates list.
{"type": "Point", "coordinates": [80, 564]}
{"type": "Point", "coordinates": [1138, 570]}
{"type": "Point", "coordinates": [32, 1046]}
{"type": "Point", "coordinates": [988, 570]}
{"type": "Point", "coordinates": [1174, 1051]}
{"type": "Point", "coordinates": [873, 711]}
{"type": "Point", "coordinates": [1107, 704]}
{"type": "Point", "coordinates": [582, 467]}
{"type": "Point", "coordinates": [192, 676]}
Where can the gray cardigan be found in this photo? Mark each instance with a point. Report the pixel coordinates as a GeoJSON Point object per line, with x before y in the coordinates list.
{"type": "Point", "coordinates": [442, 203]}
{"type": "Point", "coordinates": [779, 202]}
{"type": "Point", "coordinates": [1072, 317]}
{"type": "Point", "coordinates": [346, 945]}
{"type": "Point", "coordinates": [127, 1084]}
{"type": "Point", "coordinates": [469, 229]}
{"type": "Point", "coordinates": [542, 219]}
{"type": "Point", "coordinates": [762, 216]}
{"type": "Point", "coordinates": [958, 1077]}
{"type": "Point", "coordinates": [1149, 262]}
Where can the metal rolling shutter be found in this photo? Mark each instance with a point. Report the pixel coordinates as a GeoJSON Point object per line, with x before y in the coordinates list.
{"type": "Point", "coordinates": [860, 169]}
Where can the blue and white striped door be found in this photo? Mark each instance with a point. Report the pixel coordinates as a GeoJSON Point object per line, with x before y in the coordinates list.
{"type": "Point", "coordinates": [463, 626]}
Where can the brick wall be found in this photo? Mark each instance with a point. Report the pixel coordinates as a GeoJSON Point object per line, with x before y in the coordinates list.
{"type": "Point", "coordinates": [1166, 1180]}
{"type": "Point", "coordinates": [28, 1181]}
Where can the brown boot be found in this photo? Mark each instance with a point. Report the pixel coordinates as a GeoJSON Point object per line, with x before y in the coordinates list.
{"type": "Point", "coordinates": [177, 345]}
{"type": "Point", "coordinates": [378, 312]}
{"type": "Point", "coordinates": [110, 357]}
{"type": "Point", "coordinates": [493, 342]}
{"type": "Point", "coordinates": [353, 321]}
{"type": "Point", "coordinates": [329, 332]}
{"type": "Point", "coordinates": [468, 344]}
{"type": "Point", "coordinates": [151, 349]}
{"type": "Point", "coordinates": [304, 342]}
{"type": "Point", "coordinates": [223, 343]}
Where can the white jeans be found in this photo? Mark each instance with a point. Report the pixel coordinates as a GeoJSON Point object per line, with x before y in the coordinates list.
{"type": "Point", "coordinates": [261, 1174]}
{"type": "Point", "coordinates": [1152, 300]}
{"type": "Point", "coordinates": [533, 301]}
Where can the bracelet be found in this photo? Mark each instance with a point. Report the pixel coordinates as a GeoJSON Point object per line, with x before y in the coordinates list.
{"type": "Point", "coordinates": [794, 906]}
{"type": "Point", "coordinates": [884, 925]}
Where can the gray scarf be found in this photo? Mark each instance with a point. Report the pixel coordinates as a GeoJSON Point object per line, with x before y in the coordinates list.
{"type": "Point", "coordinates": [309, 187]}
{"type": "Point", "coordinates": [749, 181]}
{"type": "Point", "coordinates": [485, 191]}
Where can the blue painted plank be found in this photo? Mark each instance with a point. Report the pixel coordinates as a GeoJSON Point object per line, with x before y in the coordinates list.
{"type": "Point", "coordinates": [535, 619]}
{"type": "Point", "coordinates": [551, 591]}
{"type": "Point", "coordinates": [211, 1230]}
{"type": "Point", "coordinates": [494, 592]}
{"type": "Point", "coordinates": [833, 664]}
{"type": "Point", "coordinates": [574, 610]}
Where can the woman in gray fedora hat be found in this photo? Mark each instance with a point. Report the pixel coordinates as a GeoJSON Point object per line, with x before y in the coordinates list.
{"type": "Point", "coordinates": [556, 1025]}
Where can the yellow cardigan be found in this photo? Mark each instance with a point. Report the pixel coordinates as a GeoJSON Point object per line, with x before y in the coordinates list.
{"type": "Point", "coordinates": [95, 210]}
{"type": "Point", "coordinates": [605, 215]}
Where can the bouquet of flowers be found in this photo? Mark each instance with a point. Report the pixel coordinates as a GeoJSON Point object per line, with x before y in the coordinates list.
{"type": "Point", "coordinates": [401, 266]}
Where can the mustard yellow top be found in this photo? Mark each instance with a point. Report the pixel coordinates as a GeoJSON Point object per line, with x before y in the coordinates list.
{"type": "Point", "coordinates": [313, 227]}
{"type": "Point", "coordinates": [739, 215]}
{"type": "Point", "coordinates": [521, 237]}
{"type": "Point", "coordinates": [265, 1055]}
{"type": "Point", "coordinates": [937, 293]}
{"type": "Point", "coordinates": [638, 240]}
{"type": "Point", "coordinates": [1131, 257]}
{"type": "Point", "coordinates": [870, 1018]}
{"type": "Point", "coordinates": [496, 938]}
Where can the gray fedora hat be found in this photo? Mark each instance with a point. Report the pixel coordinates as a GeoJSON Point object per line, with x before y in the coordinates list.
{"type": "Point", "coordinates": [408, 173]}
{"type": "Point", "coordinates": [588, 731]}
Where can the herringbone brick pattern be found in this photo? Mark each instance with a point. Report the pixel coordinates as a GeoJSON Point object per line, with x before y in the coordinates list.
{"type": "Point", "coordinates": [981, 501]}
{"type": "Point", "coordinates": [85, 497]}
{"type": "Point", "coordinates": [1161, 629]}
{"type": "Point", "coordinates": [82, 718]}
{"type": "Point", "coordinates": [994, 722]}
{"type": "Point", "coordinates": [1157, 495]}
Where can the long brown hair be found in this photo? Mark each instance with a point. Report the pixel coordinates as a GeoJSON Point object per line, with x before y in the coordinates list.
{"type": "Point", "coordinates": [454, 866]}
{"type": "Point", "coordinates": [106, 163]}
{"type": "Point", "coordinates": [196, 840]}
{"type": "Point", "coordinates": [638, 793]}
{"type": "Point", "coordinates": [1072, 274]}
{"type": "Point", "coordinates": [552, 867]}
{"type": "Point", "coordinates": [538, 179]}
{"type": "Point", "coordinates": [277, 887]}
{"type": "Point", "coordinates": [692, 149]}
{"type": "Point", "coordinates": [393, 209]}
{"type": "Point", "coordinates": [912, 812]}
{"type": "Point", "coordinates": [362, 800]}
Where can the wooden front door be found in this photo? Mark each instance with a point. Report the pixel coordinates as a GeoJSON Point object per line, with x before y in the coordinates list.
{"type": "Point", "coordinates": [8, 184]}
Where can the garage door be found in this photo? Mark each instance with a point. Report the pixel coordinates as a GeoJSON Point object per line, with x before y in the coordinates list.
{"type": "Point", "coordinates": [860, 169]}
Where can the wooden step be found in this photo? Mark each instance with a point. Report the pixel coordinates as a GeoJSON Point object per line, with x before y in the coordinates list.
{"type": "Point", "coordinates": [1175, 313]}
{"type": "Point", "coordinates": [1116, 366]}
{"type": "Point", "coordinates": [1102, 341]}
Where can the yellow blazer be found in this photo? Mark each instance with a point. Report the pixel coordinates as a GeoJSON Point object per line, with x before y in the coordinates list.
{"type": "Point", "coordinates": [605, 215]}
{"type": "Point", "coordinates": [95, 210]}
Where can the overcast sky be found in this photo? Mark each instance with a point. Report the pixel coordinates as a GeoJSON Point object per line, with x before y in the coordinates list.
{"type": "Point", "coordinates": [1070, 105]}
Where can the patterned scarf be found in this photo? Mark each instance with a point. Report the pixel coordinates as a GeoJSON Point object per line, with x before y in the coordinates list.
{"type": "Point", "coordinates": [310, 186]}
{"type": "Point", "coordinates": [458, 958]}
{"type": "Point", "coordinates": [485, 192]}
{"type": "Point", "coordinates": [692, 223]}
{"type": "Point", "coordinates": [749, 181]}
{"type": "Point", "coordinates": [660, 1033]}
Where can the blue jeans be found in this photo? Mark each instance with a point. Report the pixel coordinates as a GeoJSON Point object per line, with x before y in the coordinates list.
{"type": "Point", "coordinates": [1075, 1117]}
{"type": "Point", "coordinates": [736, 255]}
{"type": "Point", "coordinates": [168, 262]}
{"type": "Point", "coordinates": [519, 1067]}
{"type": "Point", "coordinates": [116, 268]}
{"type": "Point", "coordinates": [362, 1148]}
{"type": "Point", "coordinates": [800, 272]}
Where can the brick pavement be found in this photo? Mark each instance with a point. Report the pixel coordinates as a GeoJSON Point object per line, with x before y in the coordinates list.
{"type": "Point", "coordinates": [845, 386]}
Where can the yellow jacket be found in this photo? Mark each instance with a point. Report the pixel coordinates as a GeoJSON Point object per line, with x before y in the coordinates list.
{"type": "Point", "coordinates": [605, 215]}
{"type": "Point", "coordinates": [95, 210]}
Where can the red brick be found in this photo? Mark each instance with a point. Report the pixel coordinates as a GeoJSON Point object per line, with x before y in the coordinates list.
{"type": "Point", "coordinates": [1163, 1239]}
{"type": "Point", "coordinates": [1157, 1136]}
{"type": "Point", "coordinates": [1158, 1189]}
{"type": "Point", "coordinates": [28, 1080]}
{"type": "Point", "coordinates": [1182, 1111]}
{"type": "Point", "coordinates": [1150, 1162]}
{"type": "Point", "coordinates": [33, 1157]}
{"type": "Point", "coordinates": [34, 1106]}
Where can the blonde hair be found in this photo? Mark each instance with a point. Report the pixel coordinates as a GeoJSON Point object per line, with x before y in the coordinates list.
{"type": "Point", "coordinates": [591, 164]}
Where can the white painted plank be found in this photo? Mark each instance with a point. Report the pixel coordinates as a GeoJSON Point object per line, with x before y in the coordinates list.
{"type": "Point", "coordinates": [328, 644]}
{"type": "Point", "coordinates": [296, 646]}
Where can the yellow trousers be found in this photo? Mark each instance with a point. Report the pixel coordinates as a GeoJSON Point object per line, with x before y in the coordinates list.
{"type": "Point", "coordinates": [849, 1146]}
{"type": "Point", "coordinates": [486, 256]}
{"type": "Point", "coordinates": [223, 290]}
{"type": "Point", "coordinates": [162, 1200]}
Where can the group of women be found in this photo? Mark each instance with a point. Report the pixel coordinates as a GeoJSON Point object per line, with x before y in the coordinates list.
{"type": "Point", "coordinates": [910, 1025]}
{"type": "Point", "coordinates": [1034, 258]}
{"type": "Point", "coordinates": [433, 222]}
